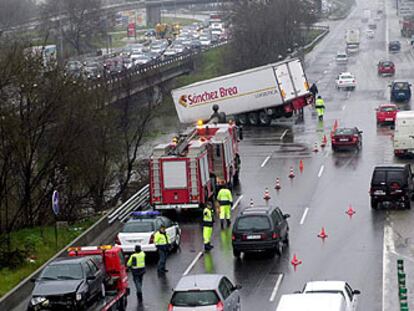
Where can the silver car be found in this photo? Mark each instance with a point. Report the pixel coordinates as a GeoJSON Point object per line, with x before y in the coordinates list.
{"type": "Point", "coordinates": [205, 292]}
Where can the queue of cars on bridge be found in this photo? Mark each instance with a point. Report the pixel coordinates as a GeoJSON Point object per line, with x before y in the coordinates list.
{"type": "Point", "coordinates": [150, 50]}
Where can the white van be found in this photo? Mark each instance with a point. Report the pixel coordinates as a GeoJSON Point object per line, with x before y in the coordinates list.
{"type": "Point", "coordinates": [404, 133]}
{"type": "Point", "coordinates": [312, 302]}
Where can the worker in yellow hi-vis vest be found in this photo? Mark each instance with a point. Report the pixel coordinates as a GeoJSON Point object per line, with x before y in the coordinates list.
{"type": "Point", "coordinates": [225, 199]}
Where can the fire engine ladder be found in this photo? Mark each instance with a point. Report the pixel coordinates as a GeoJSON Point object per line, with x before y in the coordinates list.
{"type": "Point", "coordinates": [193, 172]}
{"type": "Point", "coordinates": [184, 141]}
{"type": "Point", "coordinates": [156, 179]}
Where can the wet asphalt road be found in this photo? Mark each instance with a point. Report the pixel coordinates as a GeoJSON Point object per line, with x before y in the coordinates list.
{"type": "Point", "coordinates": [317, 197]}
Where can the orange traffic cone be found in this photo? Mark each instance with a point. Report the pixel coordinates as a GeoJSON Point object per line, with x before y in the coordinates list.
{"type": "Point", "coordinates": [322, 234]}
{"type": "Point", "coordinates": [324, 141]}
{"type": "Point", "coordinates": [278, 186]}
{"type": "Point", "coordinates": [335, 126]}
{"type": "Point", "coordinates": [295, 262]}
{"type": "Point", "coordinates": [315, 147]}
{"type": "Point", "coordinates": [291, 173]}
{"type": "Point", "coordinates": [350, 211]}
{"type": "Point", "coordinates": [301, 166]}
{"type": "Point", "coordinates": [266, 195]}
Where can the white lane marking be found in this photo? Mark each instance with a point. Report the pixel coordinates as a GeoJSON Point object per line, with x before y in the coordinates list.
{"type": "Point", "coordinates": [192, 264]}
{"type": "Point", "coordinates": [276, 288]}
{"type": "Point", "coordinates": [283, 134]}
{"type": "Point", "coordinates": [237, 203]}
{"type": "Point", "coordinates": [343, 107]}
{"type": "Point", "coordinates": [388, 248]}
{"type": "Point", "coordinates": [265, 161]}
{"type": "Point", "coordinates": [302, 220]}
{"type": "Point", "coordinates": [386, 29]}
{"type": "Point", "coordinates": [321, 171]}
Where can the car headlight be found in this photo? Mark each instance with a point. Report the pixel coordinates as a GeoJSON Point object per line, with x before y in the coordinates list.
{"type": "Point", "coordinates": [78, 296]}
{"type": "Point", "coordinates": [39, 301]}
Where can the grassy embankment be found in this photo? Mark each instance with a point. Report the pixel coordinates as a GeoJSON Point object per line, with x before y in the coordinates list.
{"type": "Point", "coordinates": [42, 241]}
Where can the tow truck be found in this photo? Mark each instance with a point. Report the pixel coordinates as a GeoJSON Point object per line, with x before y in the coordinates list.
{"type": "Point", "coordinates": [186, 173]}
{"type": "Point", "coordinates": [116, 286]}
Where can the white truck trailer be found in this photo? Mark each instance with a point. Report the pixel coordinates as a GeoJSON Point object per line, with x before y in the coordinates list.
{"type": "Point", "coordinates": [254, 96]}
{"type": "Point", "coordinates": [352, 39]}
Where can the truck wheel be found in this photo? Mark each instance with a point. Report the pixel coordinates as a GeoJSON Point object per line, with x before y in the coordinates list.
{"type": "Point", "coordinates": [374, 204]}
{"type": "Point", "coordinates": [264, 118]}
{"type": "Point", "coordinates": [242, 119]}
{"type": "Point", "coordinates": [253, 118]}
{"type": "Point", "coordinates": [236, 253]}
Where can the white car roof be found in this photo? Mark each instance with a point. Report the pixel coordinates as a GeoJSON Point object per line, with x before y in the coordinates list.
{"type": "Point", "coordinates": [325, 285]}
{"type": "Point", "coordinates": [311, 302]}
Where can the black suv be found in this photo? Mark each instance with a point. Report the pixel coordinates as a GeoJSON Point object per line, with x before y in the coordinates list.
{"type": "Point", "coordinates": [69, 284]}
{"type": "Point", "coordinates": [392, 184]}
{"type": "Point", "coordinates": [260, 229]}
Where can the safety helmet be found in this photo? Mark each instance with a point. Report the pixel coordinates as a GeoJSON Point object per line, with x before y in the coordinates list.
{"type": "Point", "coordinates": [319, 97]}
{"type": "Point", "coordinates": [215, 107]}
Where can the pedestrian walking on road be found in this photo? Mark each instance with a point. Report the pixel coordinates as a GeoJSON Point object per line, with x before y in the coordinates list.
{"type": "Point", "coordinates": [225, 199]}
{"type": "Point", "coordinates": [137, 264]}
{"type": "Point", "coordinates": [162, 242]}
{"type": "Point", "coordinates": [314, 90]}
{"type": "Point", "coordinates": [208, 222]}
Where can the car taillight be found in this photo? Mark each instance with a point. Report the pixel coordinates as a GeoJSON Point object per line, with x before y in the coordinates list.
{"type": "Point", "coordinates": [275, 236]}
{"type": "Point", "coordinates": [395, 186]}
{"type": "Point", "coordinates": [233, 237]}
{"type": "Point", "coordinates": [151, 240]}
{"type": "Point", "coordinates": [117, 240]}
{"type": "Point", "coordinates": [170, 307]}
{"type": "Point", "coordinates": [220, 306]}
{"type": "Point", "coordinates": [353, 81]}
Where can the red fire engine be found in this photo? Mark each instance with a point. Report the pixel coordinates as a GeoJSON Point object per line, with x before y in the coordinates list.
{"type": "Point", "coordinates": [187, 172]}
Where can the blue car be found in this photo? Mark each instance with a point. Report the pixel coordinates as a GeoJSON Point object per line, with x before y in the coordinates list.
{"type": "Point", "coordinates": [400, 91]}
{"type": "Point", "coordinates": [394, 46]}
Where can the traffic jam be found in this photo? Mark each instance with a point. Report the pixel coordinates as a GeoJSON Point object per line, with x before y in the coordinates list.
{"type": "Point", "coordinates": [287, 191]}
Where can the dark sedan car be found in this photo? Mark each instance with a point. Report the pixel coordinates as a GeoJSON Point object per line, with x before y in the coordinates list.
{"type": "Point", "coordinates": [394, 46]}
{"type": "Point", "coordinates": [69, 284]}
{"type": "Point", "coordinates": [346, 138]}
{"type": "Point", "coordinates": [400, 91]}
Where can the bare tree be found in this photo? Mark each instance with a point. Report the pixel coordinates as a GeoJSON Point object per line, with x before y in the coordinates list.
{"type": "Point", "coordinates": [263, 30]}
{"type": "Point", "coordinates": [79, 21]}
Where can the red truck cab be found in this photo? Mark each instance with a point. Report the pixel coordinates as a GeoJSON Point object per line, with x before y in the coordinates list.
{"type": "Point", "coordinates": [116, 286]}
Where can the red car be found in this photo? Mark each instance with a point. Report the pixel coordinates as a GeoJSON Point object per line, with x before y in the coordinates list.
{"type": "Point", "coordinates": [386, 68]}
{"type": "Point", "coordinates": [386, 113]}
{"type": "Point", "coordinates": [346, 138]}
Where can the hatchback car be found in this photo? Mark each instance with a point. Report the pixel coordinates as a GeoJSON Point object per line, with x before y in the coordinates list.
{"type": "Point", "coordinates": [392, 184]}
{"type": "Point", "coordinates": [386, 68]}
{"type": "Point", "coordinates": [386, 113]}
{"type": "Point", "coordinates": [140, 230]}
{"type": "Point", "coordinates": [394, 46]}
{"type": "Point", "coordinates": [345, 80]}
{"type": "Point", "coordinates": [400, 91]}
{"type": "Point", "coordinates": [341, 58]}
{"type": "Point", "coordinates": [205, 292]}
{"type": "Point", "coordinates": [260, 229]}
{"type": "Point", "coordinates": [346, 138]}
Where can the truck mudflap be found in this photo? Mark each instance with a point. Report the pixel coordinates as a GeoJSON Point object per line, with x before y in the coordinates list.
{"type": "Point", "coordinates": [298, 103]}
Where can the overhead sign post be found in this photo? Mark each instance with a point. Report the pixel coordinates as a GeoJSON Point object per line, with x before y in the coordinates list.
{"type": "Point", "coordinates": [405, 8]}
{"type": "Point", "coordinates": [56, 210]}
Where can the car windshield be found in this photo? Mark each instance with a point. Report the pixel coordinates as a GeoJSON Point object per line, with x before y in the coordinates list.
{"type": "Point", "coordinates": [344, 77]}
{"type": "Point", "coordinates": [62, 271]}
{"type": "Point", "coordinates": [253, 223]}
{"type": "Point", "coordinates": [386, 64]}
{"type": "Point", "coordinates": [400, 86]}
{"type": "Point", "coordinates": [142, 226]}
{"type": "Point", "coordinates": [341, 56]}
{"type": "Point", "coordinates": [194, 298]}
{"type": "Point", "coordinates": [388, 109]}
{"type": "Point", "coordinates": [345, 131]}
